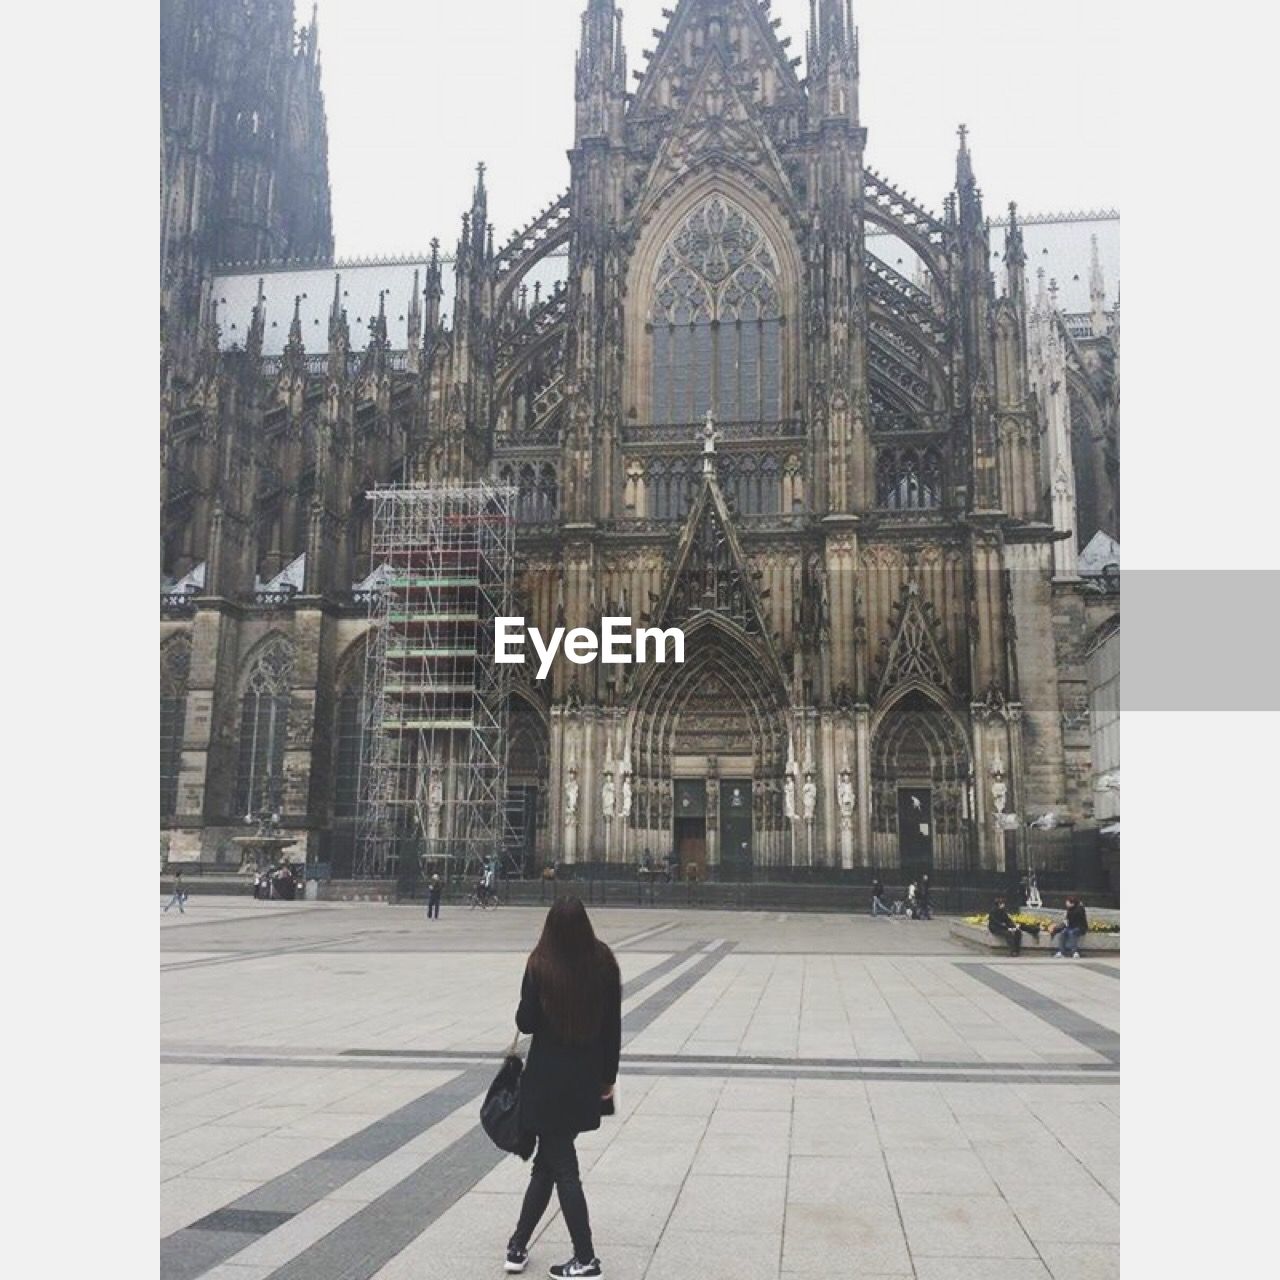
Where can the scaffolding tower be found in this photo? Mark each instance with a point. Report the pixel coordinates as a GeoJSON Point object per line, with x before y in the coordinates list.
{"type": "Point", "coordinates": [434, 767]}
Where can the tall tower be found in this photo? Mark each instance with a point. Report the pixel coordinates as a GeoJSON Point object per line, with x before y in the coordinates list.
{"type": "Point", "coordinates": [838, 395]}
{"type": "Point", "coordinates": [244, 152]}
{"type": "Point", "coordinates": [597, 169]}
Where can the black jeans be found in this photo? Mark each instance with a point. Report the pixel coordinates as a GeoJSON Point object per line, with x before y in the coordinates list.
{"type": "Point", "coordinates": [433, 908]}
{"type": "Point", "coordinates": [556, 1165]}
{"type": "Point", "coordinates": [1013, 936]}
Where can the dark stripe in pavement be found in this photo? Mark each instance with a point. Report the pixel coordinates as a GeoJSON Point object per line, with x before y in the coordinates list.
{"type": "Point", "coordinates": [644, 935]}
{"type": "Point", "coordinates": [1108, 969]}
{"type": "Point", "coordinates": [748, 1060]}
{"type": "Point", "coordinates": [254, 1222]}
{"type": "Point", "coordinates": [362, 1245]}
{"type": "Point", "coordinates": [1093, 1035]}
{"type": "Point", "coordinates": [789, 1069]}
{"type": "Point", "coordinates": [234, 957]}
{"type": "Point", "coordinates": [1030, 1076]}
{"type": "Point", "coordinates": [649, 1010]}
{"type": "Point", "coordinates": [193, 1250]}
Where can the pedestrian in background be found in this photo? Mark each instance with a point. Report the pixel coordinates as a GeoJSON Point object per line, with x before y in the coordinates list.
{"type": "Point", "coordinates": [571, 1003]}
{"type": "Point", "coordinates": [877, 900]}
{"type": "Point", "coordinates": [922, 899]}
{"type": "Point", "coordinates": [434, 891]}
{"type": "Point", "coordinates": [179, 897]}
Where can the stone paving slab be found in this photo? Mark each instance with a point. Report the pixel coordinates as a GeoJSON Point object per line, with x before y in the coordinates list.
{"type": "Point", "coordinates": [955, 1153]}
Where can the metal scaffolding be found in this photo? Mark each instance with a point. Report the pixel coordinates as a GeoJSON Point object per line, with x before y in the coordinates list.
{"type": "Point", "coordinates": [433, 778]}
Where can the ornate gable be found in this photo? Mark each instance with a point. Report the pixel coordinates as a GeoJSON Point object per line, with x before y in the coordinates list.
{"type": "Point", "coordinates": [717, 123]}
{"type": "Point", "coordinates": [742, 28]}
{"type": "Point", "coordinates": [709, 573]}
{"type": "Point", "coordinates": [917, 652]}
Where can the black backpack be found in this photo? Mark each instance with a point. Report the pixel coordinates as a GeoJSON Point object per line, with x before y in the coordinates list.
{"type": "Point", "coordinates": [500, 1111]}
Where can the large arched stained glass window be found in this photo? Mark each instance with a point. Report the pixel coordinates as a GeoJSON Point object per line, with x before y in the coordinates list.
{"type": "Point", "coordinates": [716, 321]}
{"type": "Point", "coordinates": [264, 730]}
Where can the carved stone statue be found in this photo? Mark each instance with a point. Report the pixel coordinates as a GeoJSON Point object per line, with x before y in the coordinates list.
{"type": "Point", "coordinates": [847, 800]}
{"type": "Point", "coordinates": [999, 788]}
{"type": "Point", "coordinates": [810, 793]}
{"type": "Point", "coordinates": [1000, 794]}
{"type": "Point", "coordinates": [625, 810]}
{"type": "Point", "coordinates": [571, 795]}
{"type": "Point", "coordinates": [789, 797]}
{"type": "Point", "coordinates": [607, 797]}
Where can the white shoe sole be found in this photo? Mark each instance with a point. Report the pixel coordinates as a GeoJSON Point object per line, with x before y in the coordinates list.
{"type": "Point", "coordinates": [514, 1268]}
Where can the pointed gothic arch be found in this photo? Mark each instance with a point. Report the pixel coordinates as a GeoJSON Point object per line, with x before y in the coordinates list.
{"type": "Point", "coordinates": [175, 674]}
{"type": "Point", "coordinates": [528, 771]}
{"type": "Point", "coordinates": [724, 704]}
{"type": "Point", "coordinates": [350, 729]}
{"type": "Point", "coordinates": [266, 692]}
{"type": "Point", "coordinates": [705, 284]}
{"type": "Point", "coordinates": [921, 785]}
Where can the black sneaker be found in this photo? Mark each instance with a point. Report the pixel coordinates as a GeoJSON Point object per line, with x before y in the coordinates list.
{"type": "Point", "coordinates": [517, 1259]}
{"type": "Point", "coordinates": [573, 1269]}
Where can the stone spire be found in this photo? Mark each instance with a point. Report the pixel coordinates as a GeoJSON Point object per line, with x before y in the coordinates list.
{"type": "Point", "coordinates": [600, 79]}
{"type": "Point", "coordinates": [1015, 260]}
{"type": "Point", "coordinates": [833, 61]}
{"type": "Point", "coordinates": [1097, 292]}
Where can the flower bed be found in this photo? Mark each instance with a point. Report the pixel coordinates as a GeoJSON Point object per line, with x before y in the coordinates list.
{"type": "Point", "coordinates": [1045, 922]}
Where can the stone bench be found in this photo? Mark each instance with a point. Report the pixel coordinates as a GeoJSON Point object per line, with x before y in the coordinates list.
{"type": "Point", "coordinates": [976, 935]}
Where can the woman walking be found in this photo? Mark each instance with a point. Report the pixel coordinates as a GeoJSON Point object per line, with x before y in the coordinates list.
{"type": "Point", "coordinates": [571, 1003]}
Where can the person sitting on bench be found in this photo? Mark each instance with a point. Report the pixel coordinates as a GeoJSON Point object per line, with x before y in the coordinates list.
{"type": "Point", "coordinates": [1076, 924]}
{"type": "Point", "coordinates": [1000, 924]}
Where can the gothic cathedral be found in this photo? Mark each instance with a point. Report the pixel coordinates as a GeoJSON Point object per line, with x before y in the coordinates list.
{"type": "Point", "coordinates": [743, 385]}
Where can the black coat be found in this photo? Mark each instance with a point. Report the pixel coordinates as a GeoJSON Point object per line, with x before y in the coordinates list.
{"type": "Point", "coordinates": [561, 1089]}
{"type": "Point", "coordinates": [999, 921]}
{"type": "Point", "coordinates": [1078, 918]}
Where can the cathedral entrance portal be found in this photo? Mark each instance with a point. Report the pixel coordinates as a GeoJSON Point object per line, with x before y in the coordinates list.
{"type": "Point", "coordinates": [920, 774]}
{"type": "Point", "coordinates": [708, 745]}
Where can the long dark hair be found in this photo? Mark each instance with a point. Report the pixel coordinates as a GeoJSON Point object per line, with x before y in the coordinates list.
{"type": "Point", "coordinates": [573, 970]}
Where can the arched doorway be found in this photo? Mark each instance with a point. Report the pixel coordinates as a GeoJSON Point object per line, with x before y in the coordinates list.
{"type": "Point", "coordinates": [920, 780]}
{"type": "Point", "coordinates": [708, 751]}
{"type": "Point", "coordinates": [528, 749]}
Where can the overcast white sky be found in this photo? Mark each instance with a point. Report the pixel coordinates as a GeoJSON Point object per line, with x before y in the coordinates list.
{"type": "Point", "coordinates": [419, 90]}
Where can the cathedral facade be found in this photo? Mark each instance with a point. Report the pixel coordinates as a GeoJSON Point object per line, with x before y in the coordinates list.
{"type": "Point", "coordinates": [741, 383]}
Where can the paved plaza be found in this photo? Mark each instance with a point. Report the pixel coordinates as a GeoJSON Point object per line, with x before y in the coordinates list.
{"type": "Point", "coordinates": [800, 1095]}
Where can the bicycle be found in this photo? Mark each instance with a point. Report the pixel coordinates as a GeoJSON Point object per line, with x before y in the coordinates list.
{"type": "Point", "coordinates": [485, 900]}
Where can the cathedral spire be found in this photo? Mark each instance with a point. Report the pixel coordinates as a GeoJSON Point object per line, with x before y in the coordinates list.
{"type": "Point", "coordinates": [1097, 292]}
{"type": "Point", "coordinates": [257, 325]}
{"type": "Point", "coordinates": [1015, 259]}
{"type": "Point", "coordinates": [294, 351]}
{"type": "Point", "coordinates": [414, 318]}
{"type": "Point", "coordinates": [967, 192]}
{"type": "Point", "coordinates": [600, 74]}
{"type": "Point", "coordinates": [833, 60]}
{"type": "Point", "coordinates": [479, 214]}
{"type": "Point", "coordinates": [434, 291]}
{"type": "Point", "coordinates": [339, 333]}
